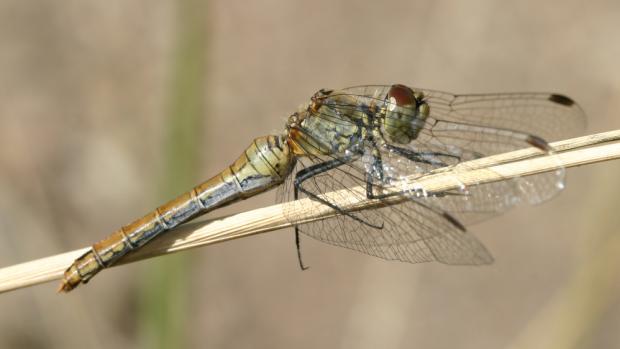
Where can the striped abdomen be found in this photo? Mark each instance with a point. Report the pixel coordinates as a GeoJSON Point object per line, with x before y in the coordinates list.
{"type": "Point", "coordinates": [263, 165]}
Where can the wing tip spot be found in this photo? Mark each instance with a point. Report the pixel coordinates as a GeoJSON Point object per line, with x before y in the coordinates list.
{"type": "Point", "coordinates": [454, 221]}
{"type": "Point", "coordinates": [561, 99]}
{"type": "Point", "coordinates": [539, 143]}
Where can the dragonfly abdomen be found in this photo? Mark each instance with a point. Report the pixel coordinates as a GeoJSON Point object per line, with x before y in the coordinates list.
{"type": "Point", "coordinates": [263, 165]}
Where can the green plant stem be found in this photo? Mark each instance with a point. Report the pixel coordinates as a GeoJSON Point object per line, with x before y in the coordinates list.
{"type": "Point", "coordinates": [164, 307]}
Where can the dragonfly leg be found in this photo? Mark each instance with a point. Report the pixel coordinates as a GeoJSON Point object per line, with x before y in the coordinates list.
{"type": "Point", "coordinates": [316, 170]}
{"type": "Point", "coordinates": [428, 158]}
{"type": "Point", "coordinates": [308, 173]}
{"type": "Point", "coordinates": [370, 195]}
{"type": "Point", "coordinates": [298, 246]}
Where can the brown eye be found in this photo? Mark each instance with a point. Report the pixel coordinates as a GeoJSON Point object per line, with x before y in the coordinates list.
{"type": "Point", "coordinates": [401, 95]}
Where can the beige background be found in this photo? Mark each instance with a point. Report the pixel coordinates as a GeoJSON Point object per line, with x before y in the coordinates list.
{"type": "Point", "coordinates": [83, 86]}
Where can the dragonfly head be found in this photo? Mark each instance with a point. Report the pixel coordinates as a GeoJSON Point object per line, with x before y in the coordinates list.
{"type": "Point", "coordinates": [405, 113]}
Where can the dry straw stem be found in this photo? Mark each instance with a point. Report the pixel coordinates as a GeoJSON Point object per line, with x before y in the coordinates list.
{"type": "Point", "coordinates": [568, 153]}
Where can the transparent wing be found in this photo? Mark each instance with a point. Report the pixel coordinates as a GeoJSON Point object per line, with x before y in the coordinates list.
{"type": "Point", "coordinates": [547, 115]}
{"type": "Point", "coordinates": [426, 226]}
{"type": "Point", "coordinates": [489, 124]}
{"type": "Point", "coordinates": [411, 231]}
{"type": "Point", "coordinates": [478, 125]}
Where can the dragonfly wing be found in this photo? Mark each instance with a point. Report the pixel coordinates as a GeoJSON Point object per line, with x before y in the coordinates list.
{"type": "Point", "coordinates": [473, 126]}
{"type": "Point", "coordinates": [488, 123]}
{"type": "Point", "coordinates": [426, 226]}
{"type": "Point", "coordinates": [550, 116]}
{"type": "Point", "coordinates": [411, 231]}
{"type": "Point", "coordinates": [469, 204]}
{"type": "Point", "coordinates": [546, 115]}
{"type": "Point", "coordinates": [336, 181]}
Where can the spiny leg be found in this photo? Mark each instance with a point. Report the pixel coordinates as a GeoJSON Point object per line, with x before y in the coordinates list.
{"type": "Point", "coordinates": [377, 166]}
{"type": "Point", "coordinates": [311, 172]}
{"type": "Point", "coordinates": [299, 178]}
{"type": "Point", "coordinates": [425, 157]}
{"type": "Point", "coordinates": [420, 157]}
{"type": "Point", "coordinates": [429, 158]}
{"type": "Point", "coordinates": [376, 171]}
{"type": "Point", "coordinates": [316, 170]}
{"type": "Point", "coordinates": [298, 246]}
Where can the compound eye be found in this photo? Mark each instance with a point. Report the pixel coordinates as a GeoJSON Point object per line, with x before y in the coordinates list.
{"type": "Point", "coordinates": [401, 95]}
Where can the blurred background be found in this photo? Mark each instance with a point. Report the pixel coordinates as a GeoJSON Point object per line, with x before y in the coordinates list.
{"type": "Point", "coordinates": [108, 109]}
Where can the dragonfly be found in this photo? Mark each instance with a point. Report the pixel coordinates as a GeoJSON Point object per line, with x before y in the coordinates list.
{"type": "Point", "coordinates": [372, 136]}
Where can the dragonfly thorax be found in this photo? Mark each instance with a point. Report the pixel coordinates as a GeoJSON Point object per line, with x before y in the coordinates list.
{"type": "Point", "coordinates": [336, 121]}
{"type": "Point", "coordinates": [405, 112]}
